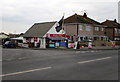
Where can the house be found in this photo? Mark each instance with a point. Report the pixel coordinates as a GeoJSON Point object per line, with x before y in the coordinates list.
{"type": "Point", "coordinates": [11, 35]}
{"type": "Point", "coordinates": [3, 35]}
{"type": "Point", "coordinates": [81, 28]}
{"type": "Point", "coordinates": [112, 29]}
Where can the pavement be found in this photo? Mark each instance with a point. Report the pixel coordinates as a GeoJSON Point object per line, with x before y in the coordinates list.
{"type": "Point", "coordinates": [34, 52]}
{"type": "Point", "coordinates": [84, 48]}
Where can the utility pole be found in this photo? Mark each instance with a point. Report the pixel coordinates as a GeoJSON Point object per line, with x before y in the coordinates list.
{"type": "Point", "coordinates": [119, 11]}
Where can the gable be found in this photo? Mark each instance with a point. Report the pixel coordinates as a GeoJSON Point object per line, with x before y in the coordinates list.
{"type": "Point", "coordinates": [39, 29]}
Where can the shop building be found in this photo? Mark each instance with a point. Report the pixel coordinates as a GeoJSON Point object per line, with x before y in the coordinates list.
{"type": "Point", "coordinates": [35, 36]}
{"type": "Point", "coordinates": [44, 35]}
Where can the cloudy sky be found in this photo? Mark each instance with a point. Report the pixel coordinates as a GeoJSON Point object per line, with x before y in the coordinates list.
{"type": "Point", "coordinates": [17, 16]}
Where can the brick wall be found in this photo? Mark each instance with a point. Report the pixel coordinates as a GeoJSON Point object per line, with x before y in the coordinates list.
{"type": "Point", "coordinates": [110, 33]}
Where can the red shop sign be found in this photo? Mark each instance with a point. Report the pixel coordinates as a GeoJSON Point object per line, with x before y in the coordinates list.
{"type": "Point", "coordinates": [35, 39]}
{"type": "Point", "coordinates": [57, 35]}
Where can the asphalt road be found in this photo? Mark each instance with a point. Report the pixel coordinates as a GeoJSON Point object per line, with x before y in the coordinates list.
{"type": "Point", "coordinates": [26, 64]}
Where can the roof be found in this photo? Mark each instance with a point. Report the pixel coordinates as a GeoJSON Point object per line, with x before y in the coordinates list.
{"type": "Point", "coordinates": [81, 19]}
{"type": "Point", "coordinates": [3, 34]}
{"type": "Point", "coordinates": [110, 23]}
{"type": "Point", "coordinates": [18, 38]}
{"type": "Point", "coordinates": [39, 29]}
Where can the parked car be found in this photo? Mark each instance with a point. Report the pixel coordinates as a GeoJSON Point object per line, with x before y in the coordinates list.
{"type": "Point", "coordinates": [9, 44]}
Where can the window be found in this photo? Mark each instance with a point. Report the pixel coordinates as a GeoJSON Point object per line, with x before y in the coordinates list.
{"type": "Point", "coordinates": [96, 28]}
{"type": "Point", "coordinates": [116, 39]}
{"type": "Point", "coordinates": [116, 31]}
{"type": "Point", "coordinates": [88, 28]}
{"type": "Point", "coordinates": [102, 29]}
{"type": "Point", "coordinates": [80, 27]}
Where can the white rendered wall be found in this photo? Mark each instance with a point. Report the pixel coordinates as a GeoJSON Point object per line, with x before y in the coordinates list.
{"type": "Point", "coordinates": [53, 30]}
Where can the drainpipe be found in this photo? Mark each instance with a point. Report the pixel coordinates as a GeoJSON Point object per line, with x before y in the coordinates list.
{"type": "Point", "coordinates": [113, 33]}
{"type": "Point", "coordinates": [77, 31]}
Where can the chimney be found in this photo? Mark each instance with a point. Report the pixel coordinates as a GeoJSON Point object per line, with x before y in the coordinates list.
{"type": "Point", "coordinates": [115, 20]}
{"type": "Point", "coordinates": [75, 13]}
{"type": "Point", "coordinates": [85, 15]}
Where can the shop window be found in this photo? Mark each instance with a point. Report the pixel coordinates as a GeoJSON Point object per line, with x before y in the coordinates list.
{"type": "Point", "coordinates": [28, 39]}
{"type": "Point", "coordinates": [95, 38]}
{"type": "Point", "coordinates": [72, 38]}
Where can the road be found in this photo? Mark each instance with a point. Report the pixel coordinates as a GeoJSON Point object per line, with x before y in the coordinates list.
{"type": "Point", "coordinates": [26, 64]}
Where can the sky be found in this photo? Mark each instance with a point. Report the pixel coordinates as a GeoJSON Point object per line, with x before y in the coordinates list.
{"type": "Point", "coordinates": [17, 16]}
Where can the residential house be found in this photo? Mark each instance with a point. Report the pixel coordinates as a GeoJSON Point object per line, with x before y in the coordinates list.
{"type": "Point", "coordinates": [84, 28]}
{"type": "Point", "coordinates": [11, 35]}
{"type": "Point", "coordinates": [2, 37]}
{"type": "Point", "coordinates": [112, 29]}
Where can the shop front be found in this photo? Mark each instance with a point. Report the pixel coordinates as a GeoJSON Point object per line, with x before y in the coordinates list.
{"type": "Point", "coordinates": [57, 41]}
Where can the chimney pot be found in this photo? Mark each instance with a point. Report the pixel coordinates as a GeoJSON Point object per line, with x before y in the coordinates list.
{"type": "Point", "coordinates": [85, 15]}
{"type": "Point", "coordinates": [115, 20]}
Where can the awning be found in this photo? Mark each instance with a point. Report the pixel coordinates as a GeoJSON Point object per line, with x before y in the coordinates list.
{"type": "Point", "coordinates": [57, 38]}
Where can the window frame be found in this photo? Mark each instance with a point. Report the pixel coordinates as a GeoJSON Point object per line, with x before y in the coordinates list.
{"type": "Point", "coordinates": [80, 27]}
{"type": "Point", "coordinates": [88, 28]}
{"type": "Point", "coordinates": [97, 28]}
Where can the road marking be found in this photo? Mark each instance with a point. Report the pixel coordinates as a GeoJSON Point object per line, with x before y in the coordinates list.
{"type": "Point", "coordinates": [85, 51]}
{"type": "Point", "coordinates": [94, 60]}
{"type": "Point", "coordinates": [93, 51]}
{"type": "Point", "coordinates": [78, 52]}
{"type": "Point", "coordinates": [25, 71]}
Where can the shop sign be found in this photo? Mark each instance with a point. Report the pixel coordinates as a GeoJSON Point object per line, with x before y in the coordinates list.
{"type": "Point", "coordinates": [70, 45]}
{"type": "Point", "coordinates": [35, 39]}
{"type": "Point", "coordinates": [57, 44]}
{"type": "Point", "coordinates": [57, 35]}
